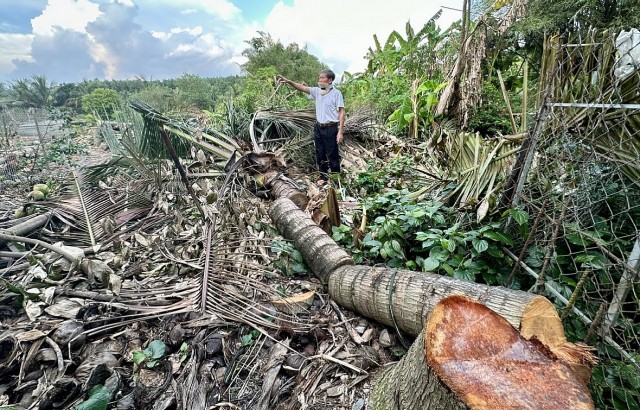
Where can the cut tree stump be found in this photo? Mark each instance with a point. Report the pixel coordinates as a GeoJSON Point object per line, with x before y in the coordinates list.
{"type": "Point", "coordinates": [470, 357]}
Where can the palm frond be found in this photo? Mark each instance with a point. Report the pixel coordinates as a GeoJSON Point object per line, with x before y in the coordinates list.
{"type": "Point", "coordinates": [475, 165]}
{"type": "Point", "coordinates": [83, 206]}
{"type": "Point", "coordinates": [291, 125]}
{"type": "Point", "coordinates": [182, 136]}
{"type": "Point", "coordinates": [234, 291]}
{"type": "Point", "coordinates": [150, 141]}
{"type": "Point", "coordinates": [94, 212]}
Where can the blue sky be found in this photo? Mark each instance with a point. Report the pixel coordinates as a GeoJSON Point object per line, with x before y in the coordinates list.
{"type": "Point", "coordinates": [72, 40]}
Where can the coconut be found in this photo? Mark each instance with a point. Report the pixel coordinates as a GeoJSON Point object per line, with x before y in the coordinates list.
{"type": "Point", "coordinates": [44, 188]}
{"type": "Point", "coordinates": [37, 195]}
{"type": "Point", "coordinates": [19, 213]}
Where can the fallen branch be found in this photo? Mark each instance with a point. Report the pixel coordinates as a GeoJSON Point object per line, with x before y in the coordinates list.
{"type": "Point", "coordinates": [15, 238]}
{"type": "Point", "coordinates": [28, 226]}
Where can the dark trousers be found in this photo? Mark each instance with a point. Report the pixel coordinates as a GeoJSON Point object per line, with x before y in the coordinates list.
{"type": "Point", "coordinates": [327, 153]}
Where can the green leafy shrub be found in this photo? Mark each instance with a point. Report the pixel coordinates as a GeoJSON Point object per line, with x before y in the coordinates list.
{"type": "Point", "coordinates": [381, 175]}
{"type": "Point", "coordinates": [151, 355]}
{"type": "Point", "coordinates": [429, 236]}
{"type": "Point", "coordinates": [415, 110]}
{"type": "Point", "coordinates": [59, 151]}
{"type": "Point", "coordinates": [248, 339]}
{"type": "Point", "coordinates": [492, 117]}
{"type": "Point", "coordinates": [102, 101]}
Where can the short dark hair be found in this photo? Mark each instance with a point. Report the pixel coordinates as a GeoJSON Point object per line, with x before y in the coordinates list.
{"type": "Point", "coordinates": [330, 74]}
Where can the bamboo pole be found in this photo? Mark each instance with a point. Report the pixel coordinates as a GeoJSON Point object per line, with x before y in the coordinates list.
{"type": "Point", "coordinates": [525, 97]}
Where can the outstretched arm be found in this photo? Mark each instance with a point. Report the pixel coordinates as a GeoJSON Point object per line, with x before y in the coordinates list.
{"type": "Point", "coordinates": [297, 86]}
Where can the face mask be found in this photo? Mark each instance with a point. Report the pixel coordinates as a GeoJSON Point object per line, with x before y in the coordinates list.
{"type": "Point", "coordinates": [325, 88]}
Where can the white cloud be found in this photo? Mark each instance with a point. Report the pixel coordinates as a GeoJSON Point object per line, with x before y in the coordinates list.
{"type": "Point", "coordinates": [194, 31]}
{"type": "Point", "coordinates": [223, 9]}
{"type": "Point", "coordinates": [73, 39]}
{"type": "Point", "coordinates": [101, 54]}
{"type": "Point", "coordinates": [14, 47]}
{"type": "Point", "coordinates": [75, 16]}
{"type": "Point", "coordinates": [208, 46]}
{"type": "Point", "coordinates": [340, 32]}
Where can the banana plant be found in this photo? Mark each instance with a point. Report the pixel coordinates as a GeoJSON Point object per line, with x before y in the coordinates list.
{"type": "Point", "coordinates": [415, 110]}
{"type": "Point", "coordinates": [412, 55]}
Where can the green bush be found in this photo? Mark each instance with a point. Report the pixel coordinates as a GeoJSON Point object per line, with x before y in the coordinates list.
{"type": "Point", "coordinates": [429, 236]}
{"type": "Point", "coordinates": [101, 101]}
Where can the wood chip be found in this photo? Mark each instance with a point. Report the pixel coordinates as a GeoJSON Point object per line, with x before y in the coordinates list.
{"type": "Point", "coordinates": [295, 304]}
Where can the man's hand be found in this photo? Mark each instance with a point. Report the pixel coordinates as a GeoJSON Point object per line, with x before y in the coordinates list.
{"type": "Point", "coordinates": [340, 137]}
{"type": "Point", "coordinates": [299, 87]}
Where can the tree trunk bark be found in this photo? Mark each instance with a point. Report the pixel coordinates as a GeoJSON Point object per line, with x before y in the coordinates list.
{"type": "Point", "coordinates": [318, 250]}
{"type": "Point", "coordinates": [282, 187]}
{"type": "Point", "coordinates": [404, 299]}
{"type": "Point", "coordinates": [423, 389]}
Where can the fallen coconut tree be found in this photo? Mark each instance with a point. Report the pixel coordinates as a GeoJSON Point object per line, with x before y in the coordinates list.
{"type": "Point", "coordinates": [406, 300]}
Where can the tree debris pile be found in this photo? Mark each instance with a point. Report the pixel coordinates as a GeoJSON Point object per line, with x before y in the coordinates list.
{"type": "Point", "coordinates": [101, 303]}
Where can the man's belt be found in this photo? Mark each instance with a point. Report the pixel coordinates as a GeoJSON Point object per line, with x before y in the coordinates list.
{"type": "Point", "coordinates": [326, 124]}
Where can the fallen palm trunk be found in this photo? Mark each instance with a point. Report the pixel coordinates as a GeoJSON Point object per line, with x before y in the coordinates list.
{"type": "Point", "coordinates": [318, 250]}
{"type": "Point", "coordinates": [392, 297]}
{"type": "Point", "coordinates": [406, 300]}
{"type": "Point", "coordinates": [283, 187]}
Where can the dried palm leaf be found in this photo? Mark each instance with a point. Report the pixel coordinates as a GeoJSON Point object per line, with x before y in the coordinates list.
{"type": "Point", "coordinates": [475, 165]}
{"type": "Point", "coordinates": [291, 131]}
{"type": "Point", "coordinates": [230, 286]}
{"type": "Point", "coordinates": [95, 212]}
{"type": "Point", "coordinates": [83, 205]}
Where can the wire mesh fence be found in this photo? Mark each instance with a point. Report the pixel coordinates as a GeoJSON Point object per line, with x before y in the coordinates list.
{"type": "Point", "coordinates": [25, 133]}
{"type": "Point", "coordinates": [582, 191]}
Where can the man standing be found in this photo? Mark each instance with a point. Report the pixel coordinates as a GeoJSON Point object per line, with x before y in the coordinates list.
{"type": "Point", "coordinates": [329, 120]}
